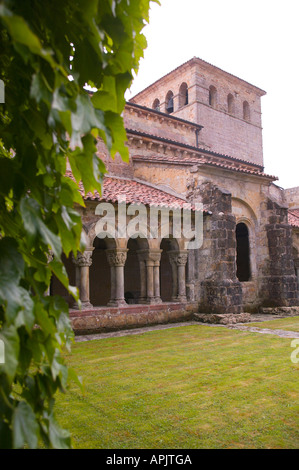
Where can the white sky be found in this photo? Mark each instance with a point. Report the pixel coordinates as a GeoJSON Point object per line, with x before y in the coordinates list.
{"type": "Point", "coordinates": [256, 40]}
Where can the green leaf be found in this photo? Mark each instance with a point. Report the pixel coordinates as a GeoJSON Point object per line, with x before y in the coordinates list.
{"type": "Point", "coordinates": [11, 271]}
{"type": "Point", "coordinates": [59, 438]}
{"type": "Point", "coordinates": [20, 31]}
{"type": "Point", "coordinates": [115, 122]}
{"type": "Point", "coordinates": [72, 376]}
{"type": "Point", "coordinates": [25, 427]}
{"type": "Point", "coordinates": [84, 119]}
{"type": "Point", "coordinates": [59, 271]}
{"type": "Point", "coordinates": [10, 338]}
{"type": "Point", "coordinates": [25, 316]}
{"type": "Point", "coordinates": [34, 225]}
{"type": "Point", "coordinates": [88, 165]}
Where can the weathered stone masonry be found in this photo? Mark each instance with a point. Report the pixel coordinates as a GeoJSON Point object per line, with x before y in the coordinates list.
{"type": "Point", "coordinates": [280, 283]}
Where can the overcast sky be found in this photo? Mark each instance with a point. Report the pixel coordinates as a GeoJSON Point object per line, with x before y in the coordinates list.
{"type": "Point", "coordinates": [256, 40]}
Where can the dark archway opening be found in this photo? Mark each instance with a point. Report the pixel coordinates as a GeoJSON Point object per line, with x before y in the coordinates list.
{"type": "Point", "coordinates": [168, 289]}
{"type": "Point", "coordinates": [243, 252]}
{"type": "Point", "coordinates": [99, 273]}
{"type": "Point", "coordinates": [132, 270]}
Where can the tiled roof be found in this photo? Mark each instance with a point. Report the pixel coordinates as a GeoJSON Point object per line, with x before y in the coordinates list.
{"type": "Point", "coordinates": [134, 192]}
{"type": "Point", "coordinates": [202, 151]}
{"type": "Point", "coordinates": [294, 217]}
{"type": "Point", "coordinates": [198, 156]}
{"type": "Point", "coordinates": [203, 160]}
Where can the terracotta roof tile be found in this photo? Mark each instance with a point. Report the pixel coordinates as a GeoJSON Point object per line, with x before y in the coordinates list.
{"type": "Point", "coordinates": [134, 192]}
{"type": "Point", "coordinates": [294, 217]}
{"type": "Point", "coordinates": [202, 160]}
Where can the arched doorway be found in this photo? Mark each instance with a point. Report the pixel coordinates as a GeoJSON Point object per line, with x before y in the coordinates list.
{"type": "Point", "coordinates": [243, 252]}
{"type": "Point", "coordinates": [172, 271]}
{"type": "Point", "coordinates": [134, 271]}
{"type": "Point", "coordinates": [99, 272]}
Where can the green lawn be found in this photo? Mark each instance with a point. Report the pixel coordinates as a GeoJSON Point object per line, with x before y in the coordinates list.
{"type": "Point", "coordinates": [288, 323]}
{"type": "Point", "coordinates": [186, 387]}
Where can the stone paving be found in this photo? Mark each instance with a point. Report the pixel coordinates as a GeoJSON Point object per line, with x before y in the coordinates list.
{"type": "Point", "coordinates": [238, 326]}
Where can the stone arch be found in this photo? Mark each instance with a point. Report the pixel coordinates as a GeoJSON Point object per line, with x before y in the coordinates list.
{"type": "Point", "coordinates": [243, 252]}
{"type": "Point", "coordinates": [245, 214]}
{"type": "Point", "coordinates": [110, 242]}
{"type": "Point", "coordinates": [183, 95]}
{"type": "Point", "coordinates": [212, 96]}
{"type": "Point", "coordinates": [230, 104]}
{"type": "Point", "coordinates": [241, 208]}
{"type": "Point", "coordinates": [99, 271]}
{"type": "Point", "coordinates": [173, 270]}
{"type": "Point", "coordinates": [169, 102]}
{"type": "Point", "coordinates": [167, 280]}
{"type": "Point", "coordinates": [246, 111]}
{"type": "Point", "coordinates": [135, 270]}
{"type": "Point", "coordinates": [156, 104]}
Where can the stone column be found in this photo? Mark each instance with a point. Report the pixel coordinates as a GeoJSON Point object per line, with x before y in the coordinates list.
{"type": "Point", "coordinates": [156, 258]}
{"type": "Point", "coordinates": [149, 262]}
{"type": "Point", "coordinates": [83, 262]}
{"type": "Point", "coordinates": [178, 261]}
{"type": "Point", "coordinates": [117, 259]}
{"type": "Point", "coordinates": [182, 259]}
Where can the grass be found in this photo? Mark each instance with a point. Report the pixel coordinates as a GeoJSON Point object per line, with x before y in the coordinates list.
{"type": "Point", "coordinates": [289, 323]}
{"type": "Point", "coordinates": [183, 388]}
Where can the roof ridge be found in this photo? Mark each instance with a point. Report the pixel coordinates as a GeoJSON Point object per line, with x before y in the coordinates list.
{"type": "Point", "coordinates": [199, 149]}
{"type": "Point", "coordinates": [150, 185]}
{"type": "Point", "coordinates": [197, 59]}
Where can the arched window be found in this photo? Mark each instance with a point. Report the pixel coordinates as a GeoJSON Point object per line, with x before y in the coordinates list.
{"type": "Point", "coordinates": [156, 105]}
{"type": "Point", "coordinates": [230, 104]}
{"type": "Point", "coordinates": [246, 111]}
{"type": "Point", "coordinates": [212, 96]}
{"type": "Point", "coordinates": [169, 102]}
{"type": "Point", "coordinates": [183, 95]}
{"type": "Point", "coordinates": [243, 252]}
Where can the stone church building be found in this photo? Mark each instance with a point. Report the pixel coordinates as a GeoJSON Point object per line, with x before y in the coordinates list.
{"type": "Point", "coordinates": [195, 141]}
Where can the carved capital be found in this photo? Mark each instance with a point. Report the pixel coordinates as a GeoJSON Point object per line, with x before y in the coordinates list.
{"type": "Point", "coordinates": [155, 256]}
{"type": "Point", "coordinates": [178, 258]}
{"type": "Point", "coordinates": [83, 259]}
{"type": "Point", "coordinates": [182, 259]}
{"type": "Point", "coordinates": [116, 258]}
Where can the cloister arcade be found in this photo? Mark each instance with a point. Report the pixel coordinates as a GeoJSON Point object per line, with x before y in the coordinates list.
{"type": "Point", "coordinates": [116, 272]}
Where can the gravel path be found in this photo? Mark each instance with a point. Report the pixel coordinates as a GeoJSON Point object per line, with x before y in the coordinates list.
{"type": "Point", "coordinates": [237, 326]}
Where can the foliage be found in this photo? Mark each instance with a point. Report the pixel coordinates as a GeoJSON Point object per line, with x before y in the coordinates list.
{"type": "Point", "coordinates": [49, 52]}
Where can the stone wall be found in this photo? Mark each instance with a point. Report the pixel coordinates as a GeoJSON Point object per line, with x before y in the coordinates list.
{"type": "Point", "coordinates": [221, 292]}
{"type": "Point", "coordinates": [104, 319]}
{"type": "Point", "coordinates": [279, 285]}
{"type": "Point", "coordinates": [292, 197]}
{"type": "Point", "coordinates": [224, 131]}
